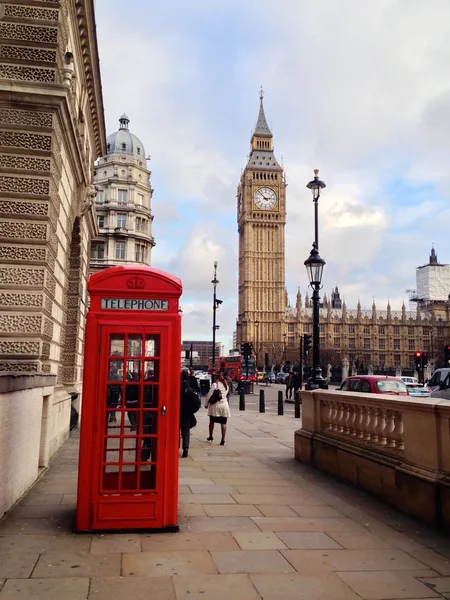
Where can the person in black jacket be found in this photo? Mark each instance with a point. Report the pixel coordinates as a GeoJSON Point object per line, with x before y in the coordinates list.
{"type": "Point", "coordinates": [189, 404]}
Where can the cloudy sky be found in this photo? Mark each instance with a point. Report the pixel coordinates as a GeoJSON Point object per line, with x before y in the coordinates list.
{"type": "Point", "coordinates": [360, 90]}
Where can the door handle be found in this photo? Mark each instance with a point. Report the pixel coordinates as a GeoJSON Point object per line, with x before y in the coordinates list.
{"type": "Point", "coordinates": [163, 410]}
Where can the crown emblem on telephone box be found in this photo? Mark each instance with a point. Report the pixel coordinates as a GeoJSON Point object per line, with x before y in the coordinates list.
{"type": "Point", "coordinates": [135, 283]}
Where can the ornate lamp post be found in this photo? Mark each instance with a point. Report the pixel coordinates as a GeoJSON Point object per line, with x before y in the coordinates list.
{"type": "Point", "coordinates": [216, 303]}
{"type": "Point", "coordinates": [314, 267]}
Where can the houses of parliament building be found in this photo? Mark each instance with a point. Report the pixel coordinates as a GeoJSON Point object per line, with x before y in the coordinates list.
{"type": "Point", "coordinates": [380, 338]}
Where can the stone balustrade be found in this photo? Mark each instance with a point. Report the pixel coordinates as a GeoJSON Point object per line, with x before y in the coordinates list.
{"type": "Point", "coordinates": [395, 447]}
{"type": "Point", "coordinates": [364, 420]}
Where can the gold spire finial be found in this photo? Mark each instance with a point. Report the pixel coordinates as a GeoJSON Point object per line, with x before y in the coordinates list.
{"type": "Point", "coordinates": [316, 172]}
{"type": "Point", "coordinates": [261, 93]}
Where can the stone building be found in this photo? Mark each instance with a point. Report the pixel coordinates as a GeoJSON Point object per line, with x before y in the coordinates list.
{"type": "Point", "coordinates": [378, 338]}
{"type": "Point", "coordinates": [123, 202]}
{"type": "Point", "coordinates": [51, 132]}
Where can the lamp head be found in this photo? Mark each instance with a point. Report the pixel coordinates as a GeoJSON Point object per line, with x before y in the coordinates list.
{"type": "Point", "coordinates": [316, 185]}
{"type": "Point", "coordinates": [314, 266]}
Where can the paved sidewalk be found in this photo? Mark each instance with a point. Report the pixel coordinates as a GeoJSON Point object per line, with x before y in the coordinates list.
{"type": "Point", "coordinates": [254, 524]}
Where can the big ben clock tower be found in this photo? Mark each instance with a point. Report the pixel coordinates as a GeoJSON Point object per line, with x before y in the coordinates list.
{"type": "Point", "coordinates": [261, 208]}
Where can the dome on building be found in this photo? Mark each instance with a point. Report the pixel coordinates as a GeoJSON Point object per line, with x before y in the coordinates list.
{"type": "Point", "coordinates": [124, 142]}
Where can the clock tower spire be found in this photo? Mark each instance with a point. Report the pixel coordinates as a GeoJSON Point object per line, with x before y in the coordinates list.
{"type": "Point", "coordinates": [261, 221]}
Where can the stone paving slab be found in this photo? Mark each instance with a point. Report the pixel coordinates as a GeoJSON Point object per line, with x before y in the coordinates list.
{"type": "Point", "coordinates": [384, 585]}
{"type": "Point", "coordinates": [254, 525]}
{"type": "Point", "coordinates": [46, 589]}
{"type": "Point", "coordinates": [131, 588]}
{"type": "Point", "coordinates": [219, 587]}
{"type": "Point", "coordinates": [300, 586]}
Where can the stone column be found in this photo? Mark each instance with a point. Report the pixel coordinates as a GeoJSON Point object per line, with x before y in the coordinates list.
{"type": "Point", "coordinates": [345, 368]}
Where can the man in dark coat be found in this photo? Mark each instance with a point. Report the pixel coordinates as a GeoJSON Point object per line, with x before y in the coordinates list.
{"type": "Point", "coordinates": [189, 404]}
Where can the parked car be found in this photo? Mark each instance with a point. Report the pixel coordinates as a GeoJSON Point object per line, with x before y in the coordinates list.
{"type": "Point", "coordinates": [374, 384]}
{"type": "Point", "coordinates": [443, 391]}
{"type": "Point", "coordinates": [281, 377]}
{"type": "Point", "coordinates": [416, 389]}
{"type": "Point", "coordinates": [409, 380]}
{"type": "Point", "coordinates": [438, 377]}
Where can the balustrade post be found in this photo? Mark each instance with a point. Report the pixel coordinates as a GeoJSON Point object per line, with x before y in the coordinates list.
{"type": "Point", "coordinates": [397, 434]}
{"type": "Point", "coordinates": [360, 422]}
{"type": "Point", "coordinates": [354, 416]}
{"type": "Point", "coordinates": [341, 408]}
{"type": "Point", "coordinates": [334, 413]}
{"type": "Point", "coordinates": [348, 411]}
{"type": "Point", "coordinates": [389, 429]}
{"type": "Point", "coordinates": [367, 423]}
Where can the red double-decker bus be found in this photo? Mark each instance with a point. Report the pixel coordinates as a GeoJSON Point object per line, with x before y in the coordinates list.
{"type": "Point", "coordinates": [234, 366]}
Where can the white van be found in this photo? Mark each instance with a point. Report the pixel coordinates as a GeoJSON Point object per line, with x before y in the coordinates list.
{"type": "Point", "coordinates": [438, 377]}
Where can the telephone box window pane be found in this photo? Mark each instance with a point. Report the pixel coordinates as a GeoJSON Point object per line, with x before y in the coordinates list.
{"type": "Point", "coordinates": [112, 456]}
{"type": "Point", "coordinates": [129, 477]}
{"type": "Point", "coordinates": [152, 345]}
{"type": "Point", "coordinates": [150, 422]}
{"type": "Point", "coordinates": [115, 372]}
{"type": "Point", "coordinates": [112, 444]}
{"type": "Point", "coordinates": [134, 345]}
{"type": "Point", "coordinates": [151, 370]}
{"type": "Point", "coordinates": [133, 370]}
{"type": "Point", "coordinates": [117, 345]}
{"type": "Point", "coordinates": [113, 398]}
{"type": "Point", "coordinates": [110, 478]}
{"type": "Point", "coordinates": [148, 475]}
{"type": "Point", "coordinates": [148, 450]}
{"type": "Point", "coordinates": [151, 396]}
{"type": "Point", "coordinates": [129, 450]}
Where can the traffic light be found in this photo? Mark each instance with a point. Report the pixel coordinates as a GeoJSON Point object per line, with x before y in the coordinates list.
{"type": "Point", "coordinates": [447, 354]}
{"type": "Point", "coordinates": [418, 360]}
{"type": "Point", "coordinates": [246, 349]}
{"type": "Point", "coordinates": [307, 343]}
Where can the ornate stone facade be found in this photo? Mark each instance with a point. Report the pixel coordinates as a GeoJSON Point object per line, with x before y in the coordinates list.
{"type": "Point", "coordinates": [369, 339]}
{"type": "Point", "coordinates": [51, 131]}
{"type": "Point", "coordinates": [123, 203]}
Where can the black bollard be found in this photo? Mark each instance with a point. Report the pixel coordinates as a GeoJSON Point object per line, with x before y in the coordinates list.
{"type": "Point", "coordinates": [241, 400]}
{"type": "Point", "coordinates": [280, 403]}
{"type": "Point", "coordinates": [297, 405]}
{"type": "Point", "coordinates": [262, 404]}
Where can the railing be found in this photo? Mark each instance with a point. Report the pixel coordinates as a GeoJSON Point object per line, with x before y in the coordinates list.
{"type": "Point", "coordinates": [415, 431]}
{"type": "Point", "coordinates": [364, 421]}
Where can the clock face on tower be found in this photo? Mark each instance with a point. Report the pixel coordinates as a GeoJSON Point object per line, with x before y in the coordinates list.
{"type": "Point", "coordinates": [265, 198]}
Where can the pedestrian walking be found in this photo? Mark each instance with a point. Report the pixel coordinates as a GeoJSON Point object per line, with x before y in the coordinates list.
{"type": "Point", "coordinates": [193, 381]}
{"type": "Point", "coordinates": [296, 382]}
{"type": "Point", "coordinates": [289, 382]}
{"type": "Point", "coordinates": [218, 407]}
{"type": "Point", "coordinates": [230, 386]}
{"type": "Point", "coordinates": [189, 404]}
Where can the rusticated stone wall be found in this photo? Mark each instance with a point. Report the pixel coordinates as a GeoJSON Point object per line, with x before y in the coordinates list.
{"type": "Point", "coordinates": [51, 131]}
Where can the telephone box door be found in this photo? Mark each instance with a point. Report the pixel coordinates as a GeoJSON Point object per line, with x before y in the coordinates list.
{"type": "Point", "coordinates": [131, 430]}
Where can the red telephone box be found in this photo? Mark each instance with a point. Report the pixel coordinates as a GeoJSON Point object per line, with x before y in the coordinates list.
{"type": "Point", "coordinates": [129, 437]}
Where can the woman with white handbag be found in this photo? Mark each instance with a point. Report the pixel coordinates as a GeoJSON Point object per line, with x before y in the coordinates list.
{"type": "Point", "coordinates": [218, 407]}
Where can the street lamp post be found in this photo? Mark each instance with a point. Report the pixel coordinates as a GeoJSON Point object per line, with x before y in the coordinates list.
{"type": "Point", "coordinates": [314, 266]}
{"type": "Point", "coordinates": [216, 303]}
{"type": "Point", "coordinates": [284, 348]}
